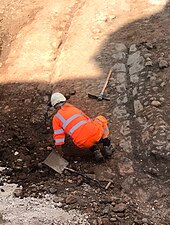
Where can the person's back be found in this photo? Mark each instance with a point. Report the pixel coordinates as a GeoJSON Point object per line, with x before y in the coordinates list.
{"type": "Point", "coordinates": [83, 130]}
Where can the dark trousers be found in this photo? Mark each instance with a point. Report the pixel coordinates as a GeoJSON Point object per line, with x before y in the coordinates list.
{"type": "Point", "coordinates": [105, 142]}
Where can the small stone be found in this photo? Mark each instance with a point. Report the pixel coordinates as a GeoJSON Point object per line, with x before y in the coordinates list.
{"type": "Point", "coordinates": [46, 98]}
{"type": "Point", "coordinates": [27, 101]}
{"type": "Point", "coordinates": [58, 199]}
{"type": "Point", "coordinates": [145, 220]}
{"type": "Point", "coordinates": [106, 210]}
{"type": "Point", "coordinates": [67, 95]}
{"type": "Point", "coordinates": [19, 160]}
{"type": "Point", "coordinates": [153, 171]}
{"type": "Point", "coordinates": [7, 109]}
{"type": "Point", "coordinates": [126, 144]}
{"type": "Point", "coordinates": [105, 221]}
{"type": "Point", "coordinates": [155, 103]}
{"type": "Point", "coordinates": [159, 81]}
{"type": "Point", "coordinates": [126, 167]}
{"type": "Point", "coordinates": [148, 45]}
{"type": "Point", "coordinates": [152, 98]}
{"type": "Point", "coordinates": [105, 200]}
{"type": "Point", "coordinates": [138, 221]}
{"type": "Point", "coordinates": [153, 78]}
{"type": "Point", "coordinates": [18, 191]}
{"type": "Point", "coordinates": [149, 63]}
{"type": "Point", "coordinates": [136, 68]}
{"type": "Point", "coordinates": [59, 204]}
{"type": "Point", "coordinates": [127, 184]}
{"type": "Point", "coordinates": [162, 84]}
{"type": "Point", "coordinates": [120, 78]}
{"type": "Point", "coordinates": [151, 73]}
{"type": "Point", "coordinates": [121, 207]}
{"type": "Point", "coordinates": [17, 168]}
{"type": "Point", "coordinates": [49, 148]}
{"type": "Point", "coordinates": [16, 153]}
{"type": "Point", "coordinates": [155, 89]}
{"type": "Point", "coordinates": [120, 47]}
{"type": "Point", "coordinates": [70, 181]}
{"type": "Point", "coordinates": [134, 58]}
{"type": "Point", "coordinates": [134, 78]}
{"type": "Point", "coordinates": [52, 190]}
{"type": "Point", "coordinates": [120, 215]}
{"type": "Point", "coordinates": [147, 55]}
{"type": "Point", "coordinates": [162, 99]}
{"type": "Point", "coordinates": [135, 91]}
{"type": "Point", "coordinates": [119, 56]}
{"type": "Point", "coordinates": [138, 107]}
{"type": "Point", "coordinates": [40, 165]}
{"type": "Point", "coordinates": [145, 136]}
{"type": "Point", "coordinates": [94, 222]}
{"type": "Point", "coordinates": [162, 63]}
{"type": "Point", "coordinates": [113, 203]}
{"type": "Point", "coordinates": [168, 147]}
{"type": "Point", "coordinates": [2, 220]}
{"type": "Point", "coordinates": [72, 92]}
{"type": "Point", "coordinates": [113, 219]}
{"type": "Point", "coordinates": [80, 180]}
{"type": "Point", "coordinates": [112, 17]}
{"type": "Point", "coordinates": [125, 100]}
{"type": "Point", "coordinates": [71, 199]}
{"type": "Point", "coordinates": [119, 67]}
{"type": "Point", "coordinates": [133, 48]}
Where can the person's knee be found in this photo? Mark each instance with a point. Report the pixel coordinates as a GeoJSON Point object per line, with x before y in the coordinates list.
{"type": "Point", "coordinates": [93, 148]}
{"type": "Point", "coordinates": [106, 142]}
{"type": "Point", "coordinates": [102, 119]}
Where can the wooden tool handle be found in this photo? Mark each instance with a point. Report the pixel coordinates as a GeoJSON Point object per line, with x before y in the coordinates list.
{"type": "Point", "coordinates": [83, 175]}
{"type": "Point", "coordinates": [105, 85]}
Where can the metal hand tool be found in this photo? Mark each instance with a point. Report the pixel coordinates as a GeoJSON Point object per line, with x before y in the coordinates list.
{"type": "Point", "coordinates": [101, 96]}
{"type": "Point", "coordinates": [59, 164]}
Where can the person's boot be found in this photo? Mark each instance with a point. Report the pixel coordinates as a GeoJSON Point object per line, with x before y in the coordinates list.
{"type": "Point", "coordinates": [98, 155]}
{"type": "Point", "coordinates": [108, 150]}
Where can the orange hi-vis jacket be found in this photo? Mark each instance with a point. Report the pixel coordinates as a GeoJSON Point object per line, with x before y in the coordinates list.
{"type": "Point", "coordinates": [84, 131]}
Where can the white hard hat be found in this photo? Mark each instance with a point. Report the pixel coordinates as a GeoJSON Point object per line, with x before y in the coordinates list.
{"type": "Point", "coordinates": [57, 98]}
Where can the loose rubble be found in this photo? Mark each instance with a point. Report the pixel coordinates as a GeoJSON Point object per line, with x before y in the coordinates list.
{"type": "Point", "coordinates": [37, 211]}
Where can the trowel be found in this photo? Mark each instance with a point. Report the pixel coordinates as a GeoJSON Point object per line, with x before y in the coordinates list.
{"type": "Point", "coordinates": [59, 164]}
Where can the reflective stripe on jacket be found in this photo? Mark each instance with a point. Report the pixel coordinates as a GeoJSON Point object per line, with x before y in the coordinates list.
{"type": "Point", "coordinates": [102, 120]}
{"type": "Point", "coordinates": [83, 131]}
{"type": "Point", "coordinates": [68, 120]}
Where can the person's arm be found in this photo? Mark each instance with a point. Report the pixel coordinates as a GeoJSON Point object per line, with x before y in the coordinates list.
{"type": "Point", "coordinates": [59, 135]}
{"type": "Point", "coordinates": [59, 150]}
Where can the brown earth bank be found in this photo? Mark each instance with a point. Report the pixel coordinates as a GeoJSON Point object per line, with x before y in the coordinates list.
{"type": "Point", "coordinates": [138, 112]}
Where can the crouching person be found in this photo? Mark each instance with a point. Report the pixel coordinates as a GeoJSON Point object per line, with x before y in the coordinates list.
{"type": "Point", "coordinates": [85, 132]}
